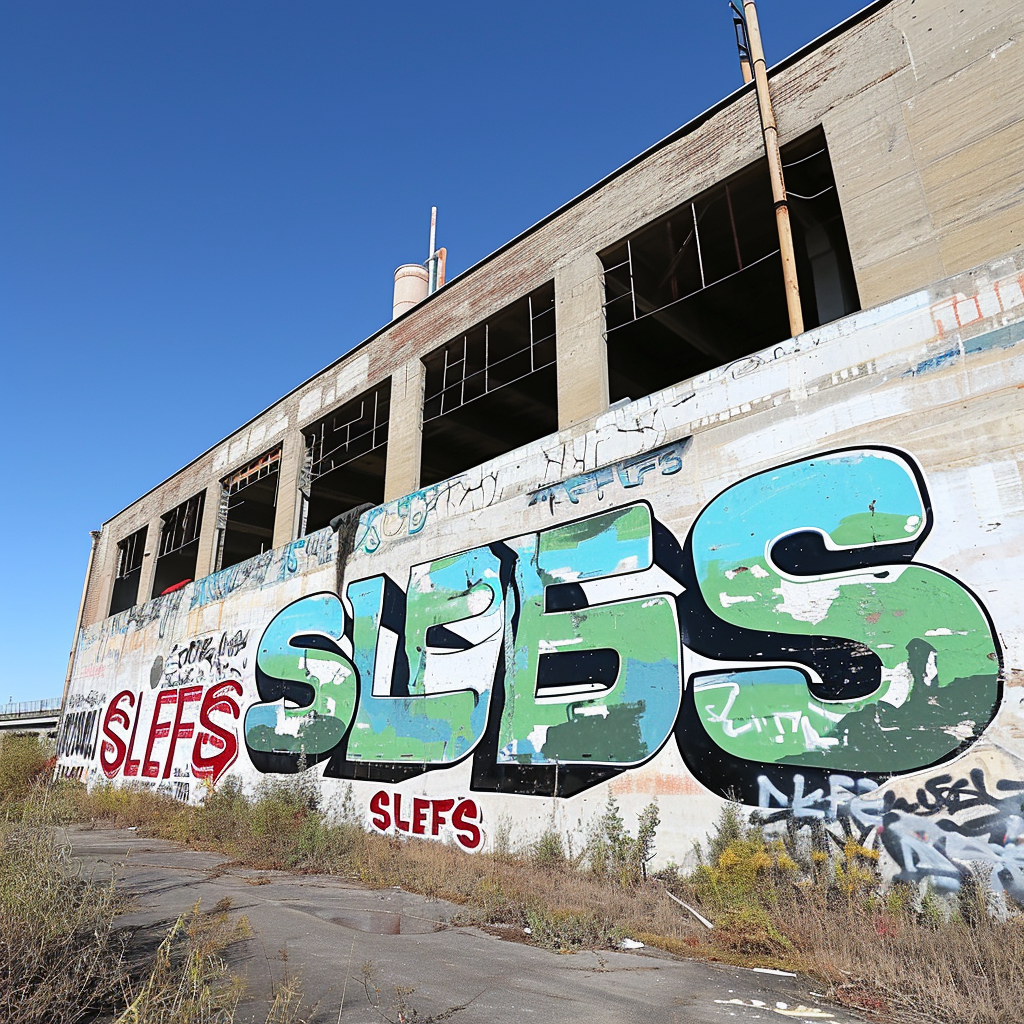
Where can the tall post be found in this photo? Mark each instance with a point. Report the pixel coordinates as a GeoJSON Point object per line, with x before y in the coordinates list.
{"type": "Point", "coordinates": [432, 284]}
{"type": "Point", "coordinates": [771, 147]}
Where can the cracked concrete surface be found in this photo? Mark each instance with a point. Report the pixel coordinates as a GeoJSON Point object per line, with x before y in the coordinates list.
{"type": "Point", "coordinates": [324, 928]}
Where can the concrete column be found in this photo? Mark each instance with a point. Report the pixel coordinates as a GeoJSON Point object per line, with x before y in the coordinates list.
{"type": "Point", "coordinates": [100, 581]}
{"type": "Point", "coordinates": [405, 430]}
{"type": "Point", "coordinates": [149, 560]}
{"type": "Point", "coordinates": [286, 516]}
{"type": "Point", "coordinates": [208, 531]}
{"type": "Point", "coordinates": [579, 342]}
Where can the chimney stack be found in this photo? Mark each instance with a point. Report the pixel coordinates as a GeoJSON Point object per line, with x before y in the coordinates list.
{"type": "Point", "coordinates": [410, 288]}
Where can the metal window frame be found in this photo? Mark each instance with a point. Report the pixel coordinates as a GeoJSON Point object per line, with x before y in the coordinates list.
{"type": "Point", "coordinates": [707, 198]}
{"type": "Point", "coordinates": [316, 457]}
{"type": "Point", "coordinates": [134, 542]}
{"type": "Point", "coordinates": [190, 527]}
{"type": "Point", "coordinates": [489, 365]}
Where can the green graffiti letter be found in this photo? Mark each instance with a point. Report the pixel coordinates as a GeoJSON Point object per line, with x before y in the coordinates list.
{"type": "Point", "coordinates": [820, 549]}
{"type": "Point", "coordinates": [307, 683]}
{"type": "Point", "coordinates": [425, 700]}
{"type": "Point", "coordinates": [592, 674]}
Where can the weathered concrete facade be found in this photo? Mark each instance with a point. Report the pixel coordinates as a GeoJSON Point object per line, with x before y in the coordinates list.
{"type": "Point", "coordinates": [790, 578]}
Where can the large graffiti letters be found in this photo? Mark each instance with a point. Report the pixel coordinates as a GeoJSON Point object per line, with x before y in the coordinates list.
{"type": "Point", "coordinates": [305, 676]}
{"type": "Point", "coordinates": [814, 647]}
{"type": "Point", "coordinates": [178, 713]}
{"type": "Point", "coordinates": [554, 657]}
{"type": "Point", "coordinates": [592, 678]}
{"type": "Point", "coordinates": [835, 652]}
{"type": "Point", "coordinates": [426, 663]}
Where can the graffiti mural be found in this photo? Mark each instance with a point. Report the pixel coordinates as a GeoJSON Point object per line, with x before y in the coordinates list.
{"type": "Point", "coordinates": [695, 597]}
{"type": "Point", "coordinates": [191, 714]}
{"type": "Point", "coordinates": [893, 666]}
{"type": "Point", "coordinates": [180, 728]}
{"type": "Point", "coordinates": [555, 658]}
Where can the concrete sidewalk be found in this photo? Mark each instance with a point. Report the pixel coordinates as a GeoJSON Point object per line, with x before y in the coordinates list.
{"type": "Point", "coordinates": [324, 928]}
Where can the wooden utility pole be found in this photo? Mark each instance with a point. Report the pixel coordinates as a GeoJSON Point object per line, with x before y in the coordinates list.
{"type": "Point", "coordinates": [755, 53]}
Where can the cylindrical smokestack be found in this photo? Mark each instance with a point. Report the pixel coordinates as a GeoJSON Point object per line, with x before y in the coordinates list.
{"type": "Point", "coordinates": [410, 287]}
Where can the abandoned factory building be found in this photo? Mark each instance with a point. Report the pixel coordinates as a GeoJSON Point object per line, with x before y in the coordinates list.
{"type": "Point", "coordinates": [662, 500]}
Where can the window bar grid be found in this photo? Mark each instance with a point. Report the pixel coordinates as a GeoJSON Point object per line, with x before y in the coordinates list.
{"type": "Point", "coordinates": [529, 306]}
{"type": "Point", "coordinates": [320, 456]}
{"type": "Point", "coordinates": [732, 223]}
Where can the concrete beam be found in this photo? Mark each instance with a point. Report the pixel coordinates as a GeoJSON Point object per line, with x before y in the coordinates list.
{"type": "Point", "coordinates": [148, 561]}
{"type": "Point", "coordinates": [208, 540]}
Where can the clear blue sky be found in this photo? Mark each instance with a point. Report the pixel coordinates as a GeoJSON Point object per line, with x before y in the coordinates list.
{"type": "Point", "coordinates": [202, 204]}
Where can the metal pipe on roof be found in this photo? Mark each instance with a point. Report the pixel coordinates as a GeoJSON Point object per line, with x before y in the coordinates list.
{"type": "Point", "coordinates": [771, 146]}
{"type": "Point", "coordinates": [741, 44]}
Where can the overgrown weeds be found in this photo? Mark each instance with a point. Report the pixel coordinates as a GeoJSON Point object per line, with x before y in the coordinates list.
{"type": "Point", "coordinates": [787, 899]}
{"type": "Point", "coordinates": [23, 762]}
{"type": "Point", "coordinates": [819, 905]}
{"type": "Point", "coordinates": [60, 956]}
{"type": "Point", "coordinates": [189, 982]}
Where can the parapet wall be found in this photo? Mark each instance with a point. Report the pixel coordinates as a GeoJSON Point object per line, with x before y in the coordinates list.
{"type": "Point", "coordinates": [794, 580]}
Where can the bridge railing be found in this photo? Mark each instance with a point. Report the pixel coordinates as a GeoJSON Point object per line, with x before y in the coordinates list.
{"type": "Point", "coordinates": [29, 707]}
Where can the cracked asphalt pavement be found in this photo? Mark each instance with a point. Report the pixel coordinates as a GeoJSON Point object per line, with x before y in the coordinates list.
{"type": "Point", "coordinates": [324, 928]}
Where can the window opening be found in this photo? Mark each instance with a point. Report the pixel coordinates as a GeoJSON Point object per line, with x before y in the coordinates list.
{"type": "Point", "coordinates": [492, 389]}
{"type": "Point", "coordinates": [179, 545]}
{"type": "Point", "coordinates": [346, 455]}
{"type": "Point", "coordinates": [130, 553]}
{"type": "Point", "coordinates": [703, 285]}
{"type": "Point", "coordinates": [248, 505]}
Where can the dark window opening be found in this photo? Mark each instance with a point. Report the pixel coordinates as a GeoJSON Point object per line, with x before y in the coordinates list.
{"type": "Point", "coordinates": [703, 286]}
{"type": "Point", "coordinates": [346, 454]}
{"type": "Point", "coordinates": [179, 545]}
{"type": "Point", "coordinates": [248, 504]}
{"type": "Point", "coordinates": [491, 390]}
{"type": "Point", "coordinates": [130, 552]}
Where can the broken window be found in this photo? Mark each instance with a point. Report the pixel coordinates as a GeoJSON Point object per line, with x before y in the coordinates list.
{"type": "Point", "coordinates": [346, 453]}
{"type": "Point", "coordinates": [703, 285]}
{"type": "Point", "coordinates": [130, 552]}
{"type": "Point", "coordinates": [492, 389]}
{"type": "Point", "coordinates": [179, 545]}
{"type": "Point", "coordinates": [248, 504]}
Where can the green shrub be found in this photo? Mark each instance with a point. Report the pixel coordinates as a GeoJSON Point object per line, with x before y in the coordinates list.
{"type": "Point", "coordinates": [548, 851]}
{"type": "Point", "coordinates": [613, 852]}
{"type": "Point", "coordinates": [569, 930]}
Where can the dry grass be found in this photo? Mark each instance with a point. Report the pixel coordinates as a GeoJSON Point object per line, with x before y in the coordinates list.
{"type": "Point", "coordinates": [60, 957]}
{"type": "Point", "coordinates": [189, 982]}
{"type": "Point", "coordinates": [826, 912]}
{"type": "Point", "coordinates": [774, 903]}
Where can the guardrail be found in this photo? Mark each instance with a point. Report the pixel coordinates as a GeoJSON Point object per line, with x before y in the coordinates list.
{"type": "Point", "coordinates": [29, 707]}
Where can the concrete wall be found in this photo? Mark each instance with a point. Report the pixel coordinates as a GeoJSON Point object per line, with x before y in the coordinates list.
{"type": "Point", "coordinates": [794, 579]}
{"type": "Point", "coordinates": [921, 105]}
